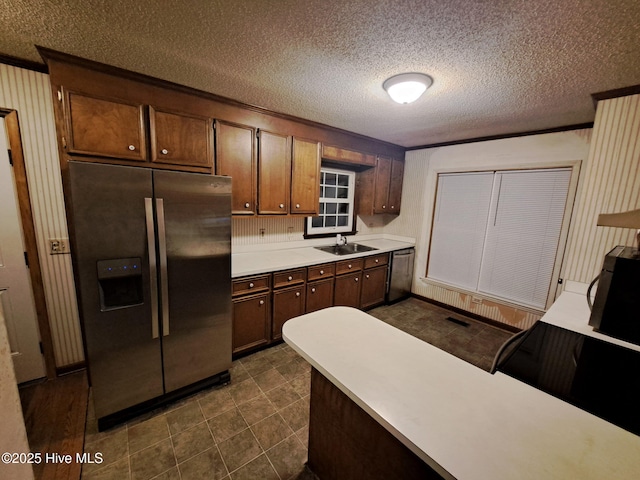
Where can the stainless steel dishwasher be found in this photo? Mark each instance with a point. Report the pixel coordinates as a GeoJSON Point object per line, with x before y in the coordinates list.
{"type": "Point", "coordinates": [400, 274]}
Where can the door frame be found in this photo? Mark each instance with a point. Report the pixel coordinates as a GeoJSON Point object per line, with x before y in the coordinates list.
{"type": "Point", "coordinates": [31, 245]}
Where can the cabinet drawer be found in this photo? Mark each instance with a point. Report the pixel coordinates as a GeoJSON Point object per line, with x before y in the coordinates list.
{"type": "Point", "coordinates": [348, 266]}
{"type": "Point", "coordinates": [288, 278]}
{"type": "Point", "coordinates": [317, 272]}
{"type": "Point", "coordinates": [247, 285]}
{"type": "Point", "coordinates": [376, 260]}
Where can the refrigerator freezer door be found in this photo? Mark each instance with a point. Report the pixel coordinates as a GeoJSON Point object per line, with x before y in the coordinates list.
{"type": "Point", "coordinates": [109, 232]}
{"type": "Point", "coordinates": [196, 317]}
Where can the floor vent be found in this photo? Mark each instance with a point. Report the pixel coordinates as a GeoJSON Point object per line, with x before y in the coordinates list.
{"type": "Point", "coordinates": [459, 322]}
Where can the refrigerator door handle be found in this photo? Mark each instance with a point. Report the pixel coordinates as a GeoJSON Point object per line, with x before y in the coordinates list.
{"type": "Point", "coordinates": [162, 253]}
{"type": "Point", "coordinates": [153, 271]}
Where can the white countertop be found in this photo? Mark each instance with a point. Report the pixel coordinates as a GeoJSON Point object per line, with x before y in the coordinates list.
{"type": "Point", "coordinates": [571, 312]}
{"type": "Point", "coordinates": [462, 421]}
{"type": "Point", "coordinates": [256, 262]}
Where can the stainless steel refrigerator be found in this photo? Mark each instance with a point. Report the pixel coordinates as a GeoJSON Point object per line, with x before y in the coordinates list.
{"type": "Point", "coordinates": [151, 252]}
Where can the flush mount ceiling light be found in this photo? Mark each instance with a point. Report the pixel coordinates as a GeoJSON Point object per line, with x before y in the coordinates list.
{"type": "Point", "coordinates": [407, 87]}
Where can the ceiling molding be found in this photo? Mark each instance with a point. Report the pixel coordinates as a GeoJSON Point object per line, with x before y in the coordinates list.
{"type": "Point", "coordinates": [507, 135]}
{"type": "Point", "coordinates": [21, 63]}
{"type": "Point", "coordinates": [618, 92]}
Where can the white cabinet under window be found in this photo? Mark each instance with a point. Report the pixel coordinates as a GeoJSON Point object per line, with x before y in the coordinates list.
{"type": "Point", "coordinates": [497, 233]}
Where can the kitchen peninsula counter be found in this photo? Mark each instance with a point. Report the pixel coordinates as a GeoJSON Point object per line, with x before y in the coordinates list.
{"type": "Point", "coordinates": [461, 421]}
{"type": "Point", "coordinates": [255, 260]}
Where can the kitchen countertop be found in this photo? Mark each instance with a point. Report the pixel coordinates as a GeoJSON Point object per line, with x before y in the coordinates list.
{"type": "Point", "coordinates": [461, 420]}
{"type": "Point", "coordinates": [256, 262]}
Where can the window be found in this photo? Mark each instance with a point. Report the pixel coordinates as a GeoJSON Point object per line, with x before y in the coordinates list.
{"type": "Point", "coordinates": [497, 233]}
{"type": "Point", "coordinates": [337, 189]}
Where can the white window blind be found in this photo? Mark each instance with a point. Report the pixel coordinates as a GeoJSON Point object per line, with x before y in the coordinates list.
{"type": "Point", "coordinates": [459, 225]}
{"type": "Point", "coordinates": [516, 230]}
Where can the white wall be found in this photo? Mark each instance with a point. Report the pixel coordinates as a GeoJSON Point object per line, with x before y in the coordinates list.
{"type": "Point", "coordinates": [29, 93]}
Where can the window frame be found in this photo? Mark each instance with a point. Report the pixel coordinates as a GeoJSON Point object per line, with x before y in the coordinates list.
{"type": "Point", "coordinates": [350, 229]}
{"type": "Point", "coordinates": [557, 284]}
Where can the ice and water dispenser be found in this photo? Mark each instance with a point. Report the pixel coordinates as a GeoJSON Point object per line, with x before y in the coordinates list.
{"type": "Point", "coordinates": [120, 283]}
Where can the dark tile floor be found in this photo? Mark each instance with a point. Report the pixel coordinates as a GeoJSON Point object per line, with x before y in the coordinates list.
{"type": "Point", "coordinates": [257, 426]}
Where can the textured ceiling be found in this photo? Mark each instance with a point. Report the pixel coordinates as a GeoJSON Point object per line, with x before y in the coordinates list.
{"type": "Point", "coordinates": [499, 67]}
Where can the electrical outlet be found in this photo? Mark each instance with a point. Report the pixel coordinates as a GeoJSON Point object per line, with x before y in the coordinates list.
{"type": "Point", "coordinates": [58, 246]}
{"type": "Point", "coordinates": [261, 232]}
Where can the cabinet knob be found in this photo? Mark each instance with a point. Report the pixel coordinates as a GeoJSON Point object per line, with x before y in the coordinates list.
{"type": "Point", "coordinates": [377, 260]}
{"type": "Point", "coordinates": [384, 206]}
{"type": "Point", "coordinates": [297, 294]}
{"type": "Point", "coordinates": [366, 276]}
{"type": "Point", "coordinates": [290, 278]}
{"type": "Point", "coordinates": [297, 205]}
{"type": "Point", "coordinates": [355, 279]}
{"type": "Point", "coordinates": [321, 272]}
{"type": "Point", "coordinates": [349, 265]}
{"type": "Point", "coordinates": [313, 290]}
{"type": "Point", "coordinates": [250, 284]}
{"type": "Point", "coordinates": [132, 147]}
{"type": "Point", "coordinates": [392, 207]}
{"type": "Point", "coordinates": [282, 205]}
{"type": "Point", "coordinates": [246, 205]}
{"type": "Point", "coordinates": [261, 302]}
{"type": "Point", "coordinates": [164, 151]}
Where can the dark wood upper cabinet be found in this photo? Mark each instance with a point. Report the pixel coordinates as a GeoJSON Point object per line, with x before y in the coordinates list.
{"type": "Point", "coordinates": [305, 177]}
{"type": "Point", "coordinates": [274, 173]}
{"type": "Point", "coordinates": [379, 189]}
{"type": "Point", "coordinates": [395, 185]}
{"type": "Point", "coordinates": [383, 179]}
{"type": "Point", "coordinates": [236, 158]}
{"type": "Point", "coordinates": [104, 127]}
{"type": "Point", "coordinates": [180, 139]}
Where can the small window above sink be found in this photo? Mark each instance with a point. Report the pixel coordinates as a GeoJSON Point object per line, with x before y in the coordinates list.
{"type": "Point", "coordinates": [348, 249]}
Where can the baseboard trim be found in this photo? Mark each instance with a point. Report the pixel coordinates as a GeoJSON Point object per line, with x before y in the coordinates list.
{"type": "Point", "coordinates": [475, 316]}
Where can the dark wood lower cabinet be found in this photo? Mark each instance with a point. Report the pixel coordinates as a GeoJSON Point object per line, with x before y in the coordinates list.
{"type": "Point", "coordinates": [347, 291]}
{"type": "Point", "coordinates": [251, 322]}
{"type": "Point", "coordinates": [319, 295]}
{"type": "Point", "coordinates": [287, 303]}
{"type": "Point", "coordinates": [346, 443]}
{"type": "Point", "coordinates": [374, 286]}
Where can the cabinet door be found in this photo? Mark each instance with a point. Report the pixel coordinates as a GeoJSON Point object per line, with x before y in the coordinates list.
{"type": "Point", "coordinates": [251, 322]}
{"type": "Point", "coordinates": [236, 158]}
{"type": "Point", "coordinates": [319, 295]}
{"type": "Point", "coordinates": [179, 139]}
{"type": "Point", "coordinates": [274, 173]}
{"type": "Point", "coordinates": [347, 291]}
{"type": "Point", "coordinates": [395, 185]}
{"type": "Point", "coordinates": [287, 303]}
{"type": "Point", "coordinates": [374, 286]}
{"type": "Point", "coordinates": [104, 127]}
{"type": "Point", "coordinates": [305, 177]}
{"type": "Point", "coordinates": [383, 178]}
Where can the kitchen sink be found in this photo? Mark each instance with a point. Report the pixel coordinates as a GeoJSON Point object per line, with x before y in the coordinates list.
{"type": "Point", "coordinates": [346, 249]}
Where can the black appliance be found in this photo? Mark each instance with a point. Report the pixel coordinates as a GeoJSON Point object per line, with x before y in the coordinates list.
{"type": "Point", "coordinates": [616, 308]}
{"type": "Point", "coordinates": [594, 375]}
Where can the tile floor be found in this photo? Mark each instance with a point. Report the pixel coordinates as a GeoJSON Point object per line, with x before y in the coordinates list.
{"type": "Point", "coordinates": [257, 426]}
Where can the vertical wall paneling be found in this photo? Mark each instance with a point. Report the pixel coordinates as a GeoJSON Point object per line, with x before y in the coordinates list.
{"type": "Point", "coordinates": [611, 184]}
{"type": "Point", "coordinates": [29, 93]}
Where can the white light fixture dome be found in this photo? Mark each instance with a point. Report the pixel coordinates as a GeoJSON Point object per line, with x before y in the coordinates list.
{"type": "Point", "coordinates": [407, 87]}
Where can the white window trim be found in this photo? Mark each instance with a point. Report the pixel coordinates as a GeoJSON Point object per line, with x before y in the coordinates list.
{"type": "Point", "coordinates": [311, 231]}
